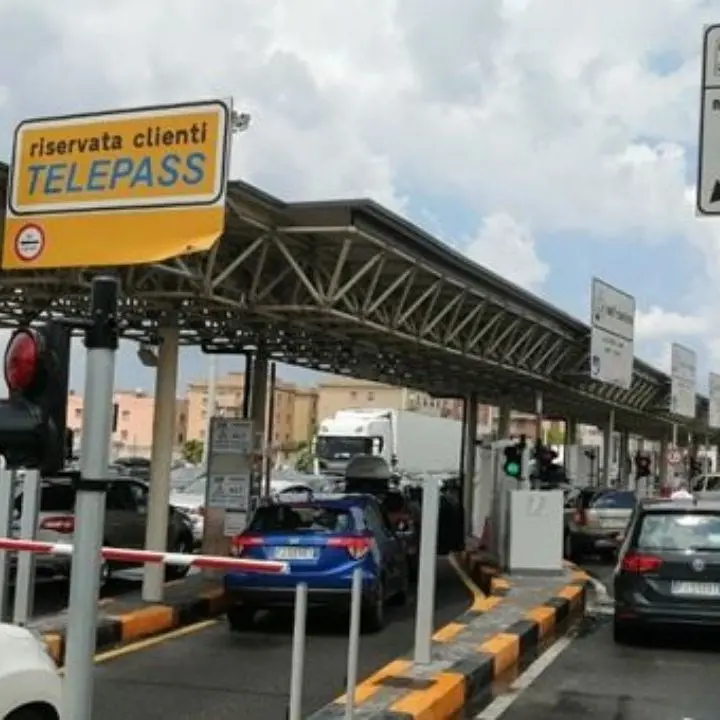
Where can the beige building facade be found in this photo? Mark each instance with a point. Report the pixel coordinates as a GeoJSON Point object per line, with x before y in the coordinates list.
{"type": "Point", "coordinates": [294, 416]}
{"type": "Point", "coordinates": [133, 424]}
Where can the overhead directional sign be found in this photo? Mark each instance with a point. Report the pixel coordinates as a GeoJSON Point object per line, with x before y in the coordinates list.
{"type": "Point", "coordinates": [117, 188]}
{"type": "Point", "coordinates": [683, 377]}
{"type": "Point", "coordinates": [612, 335]}
{"type": "Point", "coordinates": [708, 185]}
{"type": "Point", "coordinates": [714, 401]}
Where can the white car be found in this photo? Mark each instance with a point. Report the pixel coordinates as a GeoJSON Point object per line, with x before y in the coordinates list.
{"type": "Point", "coordinates": [30, 685]}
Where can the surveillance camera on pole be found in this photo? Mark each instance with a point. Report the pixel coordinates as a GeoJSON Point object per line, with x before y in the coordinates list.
{"type": "Point", "coordinates": [239, 122]}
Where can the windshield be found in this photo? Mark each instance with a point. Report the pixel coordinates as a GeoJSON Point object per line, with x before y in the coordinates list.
{"type": "Point", "coordinates": [680, 532]}
{"type": "Point", "coordinates": [342, 448]}
{"type": "Point", "coordinates": [302, 518]}
{"type": "Point", "coordinates": [196, 487]}
{"type": "Point", "coordinates": [616, 501]}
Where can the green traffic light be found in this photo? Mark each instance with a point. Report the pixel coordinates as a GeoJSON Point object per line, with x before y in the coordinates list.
{"type": "Point", "coordinates": [512, 469]}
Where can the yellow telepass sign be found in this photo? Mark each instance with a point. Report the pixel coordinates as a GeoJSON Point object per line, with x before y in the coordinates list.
{"type": "Point", "coordinates": [118, 188]}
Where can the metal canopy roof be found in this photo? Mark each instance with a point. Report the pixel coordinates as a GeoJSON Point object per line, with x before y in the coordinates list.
{"type": "Point", "coordinates": [349, 287]}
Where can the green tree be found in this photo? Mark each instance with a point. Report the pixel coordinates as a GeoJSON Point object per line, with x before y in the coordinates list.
{"type": "Point", "coordinates": [555, 435]}
{"type": "Point", "coordinates": [193, 451]}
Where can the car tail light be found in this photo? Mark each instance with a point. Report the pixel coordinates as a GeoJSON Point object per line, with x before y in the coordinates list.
{"type": "Point", "coordinates": [64, 525]}
{"type": "Point", "coordinates": [580, 517]}
{"type": "Point", "coordinates": [241, 542]}
{"type": "Point", "coordinates": [357, 547]}
{"type": "Point", "coordinates": [640, 563]}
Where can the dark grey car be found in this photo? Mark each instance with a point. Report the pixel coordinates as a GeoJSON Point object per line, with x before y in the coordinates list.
{"type": "Point", "coordinates": [125, 522]}
{"type": "Point", "coordinates": [669, 567]}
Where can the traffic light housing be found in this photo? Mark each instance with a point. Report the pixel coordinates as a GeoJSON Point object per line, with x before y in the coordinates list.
{"type": "Point", "coordinates": [642, 465]}
{"type": "Point", "coordinates": [33, 418]}
{"type": "Point", "coordinates": [512, 466]}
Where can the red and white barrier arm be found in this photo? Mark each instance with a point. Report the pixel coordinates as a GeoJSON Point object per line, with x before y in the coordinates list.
{"type": "Point", "coordinates": [214, 562]}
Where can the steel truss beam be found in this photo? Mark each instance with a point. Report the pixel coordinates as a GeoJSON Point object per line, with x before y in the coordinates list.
{"type": "Point", "coordinates": [346, 298]}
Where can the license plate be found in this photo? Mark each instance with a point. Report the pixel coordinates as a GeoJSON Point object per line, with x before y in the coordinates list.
{"type": "Point", "coordinates": [294, 553]}
{"type": "Point", "coordinates": [696, 589]}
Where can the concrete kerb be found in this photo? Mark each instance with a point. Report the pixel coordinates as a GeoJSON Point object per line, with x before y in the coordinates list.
{"type": "Point", "coordinates": [502, 630]}
{"type": "Point", "coordinates": [124, 621]}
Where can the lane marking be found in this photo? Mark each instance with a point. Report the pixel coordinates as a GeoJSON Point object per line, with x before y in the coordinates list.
{"type": "Point", "coordinates": [498, 707]}
{"type": "Point", "coordinates": [150, 642]}
{"type": "Point", "coordinates": [153, 641]}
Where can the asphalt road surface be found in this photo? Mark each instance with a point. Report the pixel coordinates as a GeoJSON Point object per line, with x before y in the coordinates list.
{"type": "Point", "coordinates": [214, 674]}
{"type": "Point", "coordinates": [672, 676]}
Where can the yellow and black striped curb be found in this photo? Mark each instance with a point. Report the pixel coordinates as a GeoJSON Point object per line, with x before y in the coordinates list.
{"type": "Point", "coordinates": [115, 629]}
{"type": "Point", "coordinates": [465, 670]}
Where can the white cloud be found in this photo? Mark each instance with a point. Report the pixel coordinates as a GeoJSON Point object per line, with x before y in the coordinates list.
{"type": "Point", "coordinates": [506, 247]}
{"type": "Point", "coordinates": [658, 324]}
{"type": "Point", "coordinates": [548, 111]}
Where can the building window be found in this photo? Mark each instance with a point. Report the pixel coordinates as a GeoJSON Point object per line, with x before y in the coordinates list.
{"type": "Point", "coordinates": [124, 435]}
{"type": "Point", "coordinates": [78, 412]}
{"type": "Point", "coordinates": [353, 395]}
{"type": "Point", "coordinates": [371, 396]}
{"type": "Point", "coordinates": [125, 414]}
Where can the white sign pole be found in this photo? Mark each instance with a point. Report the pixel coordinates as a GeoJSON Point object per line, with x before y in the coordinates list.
{"type": "Point", "coordinates": [612, 335]}
{"type": "Point", "coordinates": [708, 184]}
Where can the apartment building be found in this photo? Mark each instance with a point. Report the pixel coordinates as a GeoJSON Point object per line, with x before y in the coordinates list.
{"type": "Point", "coordinates": [341, 393]}
{"type": "Point", "coordinates": [134, 422]}
{"type": "Point", "coordinates": [295, 409]}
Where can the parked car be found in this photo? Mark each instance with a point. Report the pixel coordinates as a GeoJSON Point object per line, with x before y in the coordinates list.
{"type": "Point", "coordinates": [669, 568]}
{"type": "Point", "coordinates": [30, 685]}
{"type": "Point", "coordinates": [125, 523]}
{"type": "Point", "coordinates": [595, 521]}
{"type": "Point", "coordinates": [324, 540]}
{"type": "Point", "coordinates": [706, 483]}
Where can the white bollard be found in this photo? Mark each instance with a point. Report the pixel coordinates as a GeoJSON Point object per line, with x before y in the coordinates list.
{"type": "Point", "coordinates": [425, 615]}
{"type": "Point", "coordinates": [25, 577]}
{"type": "Point", "coordinates": [353, 643]}
{"type": "Point", "coordinates": [7, 505]}
{"type": "Point", "coordinates": [297, 669]}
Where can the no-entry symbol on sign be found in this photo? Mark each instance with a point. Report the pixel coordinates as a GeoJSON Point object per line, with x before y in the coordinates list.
{"type": "Point", "coordinates": [29, 243]}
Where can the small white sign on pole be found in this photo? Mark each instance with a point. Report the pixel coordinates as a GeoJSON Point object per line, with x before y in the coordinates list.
{"type": "Point", "coordinates": [714, 401]}
{"type": "Point", "coordinates": [708, 184]}
{"type": "Point", "coordinates": [683, 376]}
{"type": "Point", "coordinates": [612, 335]}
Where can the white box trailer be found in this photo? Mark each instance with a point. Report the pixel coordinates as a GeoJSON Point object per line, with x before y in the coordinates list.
{"type": "Point", "coordinates": [409, 441]}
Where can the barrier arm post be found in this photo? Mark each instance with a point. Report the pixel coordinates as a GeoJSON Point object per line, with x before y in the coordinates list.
{"type": "Point", "coordinates": [101, 341]}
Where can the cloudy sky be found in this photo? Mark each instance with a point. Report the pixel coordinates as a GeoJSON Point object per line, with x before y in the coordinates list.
{"type": "Point", "coordinates": [550, 140]}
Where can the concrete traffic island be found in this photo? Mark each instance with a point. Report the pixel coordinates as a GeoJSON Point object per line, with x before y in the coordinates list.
{"type": "Point", "coordinates": [510, 622]}
{"type": "Point", "coordinates": [128, 618]}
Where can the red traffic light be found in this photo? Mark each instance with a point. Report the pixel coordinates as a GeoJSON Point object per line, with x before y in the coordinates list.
{"type": "Point", "coordinates": [22, 360]}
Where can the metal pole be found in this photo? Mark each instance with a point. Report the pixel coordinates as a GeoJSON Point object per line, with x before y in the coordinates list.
{"type": "Point", "coordinates": [210, 408]}
{"type": "Point", "coordinates": [101, 341]}
{"type": "Point", "coordinates": [353, 644]}
{"type": "Point", "coordinates": [297, 669]}
{"type": "Point", "coordinates": [247, 386]}
{"type": "Point", "coordinates": [25, 577]}
{"type": "Point", "coordinates": [425, 615]}
{"type": "Point", "coordinates": [7, 506]}
{"type": "Point", "coordinates": [160, 461]}
{"type": "Point", "coordinates": [269, 430]}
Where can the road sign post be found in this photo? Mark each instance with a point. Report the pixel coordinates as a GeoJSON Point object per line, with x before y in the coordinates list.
{"type": "Point", "coordinates": [101, 341]}
{"type": "Point", "coordinates": [231, 490]}
{"type": "Point", "coordinates": [708, 183]}
{"type": "Point", "coordinates": [117, 188]}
